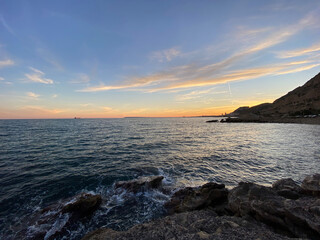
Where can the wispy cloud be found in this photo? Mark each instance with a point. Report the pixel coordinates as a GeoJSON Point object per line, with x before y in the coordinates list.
{"type": "Point", "coordinates": [5, 25]}
{"type": "Point", "coordinates": [107, 109]}
{"type": "Point", "coordinates": [299, 52]}
{"type": "Point", "coordinates": [82, 78]}
{"type": "Point", "coordinates": [6, 63]}
{"type": "Point", "coordinates": [1, 78]}
{"type": "Point", "coordinates": [48, 56]}
{"type": "Point", "coordinates": [227, 70]}
{"type": "Point", "coordinates": [199, 94]}
{"type": "Point", "coordinates": [165, 55]}
{"type": "Point", "coordinates": [33, 95]}
{"type": "Point", "coordinates": [300, 69]}
{"type": "Point", "coordinates": [38, 76]}
{"type": "Point", "coordinates": [54, 95]}
{"type": "Point", "coordinates": [40, 109]}
{"type": "Point", "coordinates": [86, 104]}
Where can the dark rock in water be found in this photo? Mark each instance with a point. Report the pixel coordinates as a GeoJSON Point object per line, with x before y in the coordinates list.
{"type": "Point", "coordinates": [287, 188]}
{"type": "Point", "coordinates": [54, 221]}
{"type": "Point", "coordinates": [209, 121]}
{"type": "Point", "coordinates": [311, 185]}
{"type": "Point", "coordinates": [195, 225]}
{"type": "Point", "coordinates": [84, 205]}
{"type": "Point", "coordinates": [297, 218]}
{"type": "Point", "coordinates": [189, 199]}
{"type": "Point", "coordinates": [140, 184]}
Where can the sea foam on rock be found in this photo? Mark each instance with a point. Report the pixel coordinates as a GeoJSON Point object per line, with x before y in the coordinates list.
{"type": "Point", "coordinates": [53, 221]}
{"type": "Point", "coordinates": [84, 205]}
{"type": "Point", "coordinates": [140, 184]}
{"type": "Point", "coordinates": [250, 211]}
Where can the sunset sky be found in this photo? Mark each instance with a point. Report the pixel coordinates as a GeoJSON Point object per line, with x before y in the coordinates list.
{"type": "Point", "coordinates": [61, 59]}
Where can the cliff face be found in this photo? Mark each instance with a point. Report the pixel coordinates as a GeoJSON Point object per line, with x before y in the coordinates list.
{"type": "Point", "coordinates": [304, 100]}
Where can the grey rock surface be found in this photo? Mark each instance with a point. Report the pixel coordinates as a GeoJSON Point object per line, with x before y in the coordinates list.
{"type": "Point", "coordinates": [204, 224]}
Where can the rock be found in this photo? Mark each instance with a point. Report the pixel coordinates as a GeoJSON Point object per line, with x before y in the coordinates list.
{"type": "Point", "coordinates": [297, 218]}
{"type": "Point", "coordinates": [56, 220]}
{"type": "Point", "coordinates": [287, 188]}
{"type": "Point", "coordinates": [84, 205]}
{"type": "Point", "coordinates": [140, 184]}
{"type": "Point", "coordinates": [189, 199]}
{"type": "Point", "coordinates": [209, 121]}
{"type": "Point", "coordinates": [204, 224]}
{"type": "Point", "coordinates": [311, 185]}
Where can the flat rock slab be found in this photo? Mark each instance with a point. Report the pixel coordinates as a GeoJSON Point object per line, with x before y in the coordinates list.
{"type": "Point", "coordinates": [194, 225]}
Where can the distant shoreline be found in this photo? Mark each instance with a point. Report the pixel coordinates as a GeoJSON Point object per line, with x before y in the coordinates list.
{"type": "Point", "coordinates": [302, 120]}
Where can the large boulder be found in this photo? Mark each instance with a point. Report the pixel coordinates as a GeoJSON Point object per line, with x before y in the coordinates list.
{"type": "Point", "coordinates": [311, 184]}
{"type": "Point", "coordinates": [196, 225]}
{"type": "Point", "coordinates": [189, 199]}
{"type": "Point", "coordinates": [140, 184]}
{"type": "Point", "coordinates": [83, 205]}
{"type": "Point", "coordinates": [287, 188]}
{"type": "Point", "coordinates": [297, 218]}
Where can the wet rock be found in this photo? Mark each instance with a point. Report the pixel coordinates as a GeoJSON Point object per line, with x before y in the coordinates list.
{"type": "Point", "coordinates": [84, 205]}
{"type": "Point", "coordinates": [287, 188]}
{"type": "Point", "coordinates": [189, 199]}
{"type": "Point", "coordinates": [195, 225]}
{"type": "Point", "coordinates": [54, 221]}
{"type": "Point", "coordinates": [311, 184]}
{"type": "Point", "coordinates": [209, 121]}
{"type": "Point", "coordinates": [297, 218]}
{"type": "Point", "coordinates": [140, 184]}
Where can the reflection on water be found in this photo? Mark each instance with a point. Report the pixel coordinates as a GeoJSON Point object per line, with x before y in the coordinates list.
{"type": "Point", "coordinates": [44, 161]}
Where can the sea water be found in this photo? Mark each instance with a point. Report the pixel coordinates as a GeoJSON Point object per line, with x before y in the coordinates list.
{"type": "Point", "coordinates": [45, 162]}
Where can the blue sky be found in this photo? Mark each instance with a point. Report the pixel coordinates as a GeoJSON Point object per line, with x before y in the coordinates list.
{"type": "Point", "coordinates": [152, 58]}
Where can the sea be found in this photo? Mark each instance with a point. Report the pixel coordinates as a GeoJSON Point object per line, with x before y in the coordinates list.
{"type": "Point", "coordinates": [50, 162]}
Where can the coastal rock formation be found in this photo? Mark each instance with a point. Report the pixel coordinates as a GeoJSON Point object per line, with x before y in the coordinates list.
{"type": "Point", "coordinates": [248, 211]}
{"type": "Point", "coordinates": [287, 188]}
{"type": "Point", "coordinates": [189, 199]}
{"type": "Point", "coordinates": [297, 218]}
{"type": "Point", "coordinates": [53, 221]}
{"type": "Point", "coordinates": [84, 205]}
{"type": "Point", "coordinates": [196, 225]}
{"type": "Point", "coordinates": [302, 105]}
{"type": "Point", "coordinates": [311, 184]}
{"type": "Point", "coordinates": [140, 184]}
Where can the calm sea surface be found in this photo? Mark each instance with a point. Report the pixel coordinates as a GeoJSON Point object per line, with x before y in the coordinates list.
{"type": "Point", "coordinates": [44, 162]}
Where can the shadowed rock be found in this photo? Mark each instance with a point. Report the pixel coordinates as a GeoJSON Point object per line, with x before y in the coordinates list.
{"type": "Point", "coordinates": [189, 199]}
{"type": "Point", "coordinates": [84, 205]}
{"type": "Point", "coordinates": [311, 184]}
{"type": "Point", "coordinates": [140, 184]}
{"type": "Point", "coordinates": [298, 218]}
{"type": "Point", "coordinates": [287, 188]}
{"type": "Point", "coordinates": [194, 225]}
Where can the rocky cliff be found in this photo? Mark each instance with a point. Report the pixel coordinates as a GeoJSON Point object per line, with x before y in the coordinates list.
{"type": "Point", "coordinates": [304, 100]}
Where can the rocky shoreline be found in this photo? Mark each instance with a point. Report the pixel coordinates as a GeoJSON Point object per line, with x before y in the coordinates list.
{"type": "Point", "coordinates": [300, 120]}
{"type": "Point", "coordinates": [248, 211]}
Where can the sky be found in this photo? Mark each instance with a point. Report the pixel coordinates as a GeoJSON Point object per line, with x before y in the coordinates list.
{"type": "Point", "coordinates": [168, 58]}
